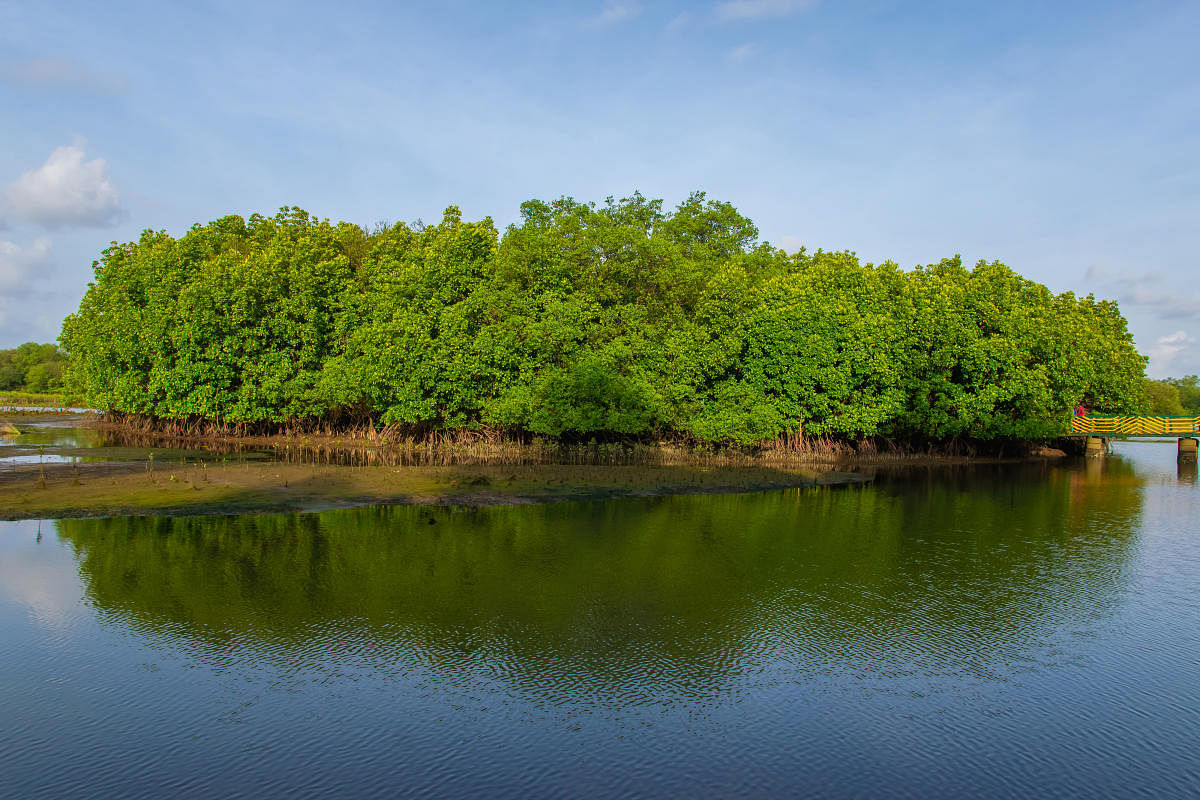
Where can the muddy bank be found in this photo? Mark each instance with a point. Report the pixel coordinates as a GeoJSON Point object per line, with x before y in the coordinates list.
{"type": "Point", "coordinates": [58, 490]}
{"type": "Point", "coordinates": [70, 466]}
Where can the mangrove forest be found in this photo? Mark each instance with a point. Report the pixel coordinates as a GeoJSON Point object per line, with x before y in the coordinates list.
{"type": "Point", "coordinates": [584, 320]}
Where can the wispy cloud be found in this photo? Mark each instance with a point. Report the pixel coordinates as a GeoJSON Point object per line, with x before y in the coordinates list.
{"type": "Point", "coordinates": [1166, 304]}
{"type": "Point", "coordinates": [790, 244]}
{"type": "Point", "coordinates": [615, 11]}
{"type": "Point", "coordinates": [680, 22]}
{"type": "Point", "coordinates": [1147, 290]}
{"type": "Point", "coordinates": [58, 73]}
{"type": "Point", "coordinates": [17, 263]}
{"type": "Point", "coordinates": [735, 10]}
{"type": "Point", "coordinates": [66, 191]}
{"type": "Point", "coordinates": [1168, 350]}
{"type": "Point", "coordinates": [743, 53]}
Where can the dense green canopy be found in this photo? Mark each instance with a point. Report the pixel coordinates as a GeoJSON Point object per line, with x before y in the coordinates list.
{"type": "Point", "coordinates": [31, 367]}
{"type": "Point", "coordinates": [585, 320]}
{"type": "Point", "coordinates": [1174, 395]}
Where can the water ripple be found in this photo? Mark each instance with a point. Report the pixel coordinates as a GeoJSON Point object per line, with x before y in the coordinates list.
{"type": "Point", "coordinates": [1000, 633]}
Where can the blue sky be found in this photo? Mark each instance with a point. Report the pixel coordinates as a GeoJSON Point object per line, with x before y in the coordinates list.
{"type": "Point", "coordinates": [1060, 138]}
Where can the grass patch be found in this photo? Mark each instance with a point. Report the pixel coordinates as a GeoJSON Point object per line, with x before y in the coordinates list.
{"type": "Point", "coordinates": [39, 399]}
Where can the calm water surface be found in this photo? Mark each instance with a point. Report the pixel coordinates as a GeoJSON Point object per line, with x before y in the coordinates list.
{"type": "Point", "coordinates": [1017, 631]}
{"type": "Point", "coordinates": [64, 438]}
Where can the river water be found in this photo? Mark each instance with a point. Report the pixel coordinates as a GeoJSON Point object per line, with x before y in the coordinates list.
{"type": "Point", "coordinates": [1005, 631]}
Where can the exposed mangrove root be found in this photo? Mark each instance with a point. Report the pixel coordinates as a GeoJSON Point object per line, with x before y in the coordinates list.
{"type": "Point", "coordinates": [365, 443]}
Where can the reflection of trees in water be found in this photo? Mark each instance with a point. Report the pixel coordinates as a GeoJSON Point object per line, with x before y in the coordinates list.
{"type": "Point", "coordinates": [1187, 470]}
{"type": "Point", "coordinates": [941, 572]}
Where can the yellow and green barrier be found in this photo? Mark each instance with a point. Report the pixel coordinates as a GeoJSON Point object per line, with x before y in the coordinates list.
{"type": "Point", "coordinates": [1133, 425]}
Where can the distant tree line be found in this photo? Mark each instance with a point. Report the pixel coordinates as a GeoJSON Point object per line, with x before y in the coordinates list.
{"type": "Point", "coordinates": [585, 320]}
{"type": "Point", "coordinates": [1175, 395]}
{"type": "Point", "coordinates": [32, 367]}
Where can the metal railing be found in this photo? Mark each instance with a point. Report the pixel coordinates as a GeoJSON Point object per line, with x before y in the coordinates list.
{"type": "Point", "coordinates": [1135, 425]}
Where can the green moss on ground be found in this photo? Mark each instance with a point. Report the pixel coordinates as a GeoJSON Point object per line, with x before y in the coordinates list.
{"type": "Point", "coordinates": [38, 399]}
{"type": "Point", "coordinates": [90, 490]}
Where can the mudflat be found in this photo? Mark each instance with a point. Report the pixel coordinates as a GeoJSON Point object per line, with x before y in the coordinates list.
{"type": "Point", "coordinates": [59, 466]}
{"type": "Point", "coordinates": [92, 489]}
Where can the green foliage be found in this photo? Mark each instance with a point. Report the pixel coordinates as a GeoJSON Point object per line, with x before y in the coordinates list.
{"type": "Point", "coordinates": [585, 320]}
{"type": "Point", "coordinates": [1174, 396]}
{"type": "Point", "coordinates": [1163, 398]}
{"type": "Point", "coordinates": [32, 367]}
{"type": "Point", "coordinates": [1188, 388]}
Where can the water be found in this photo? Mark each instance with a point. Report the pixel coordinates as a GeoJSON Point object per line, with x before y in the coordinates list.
{"type": "Point", "coordinates": [66, 438]}
{"type": "Point", "coordinates": [1002, 632]}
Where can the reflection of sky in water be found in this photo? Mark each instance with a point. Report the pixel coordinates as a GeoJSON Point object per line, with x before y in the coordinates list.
{"type": "Point", "coordinates": [49, 431]}
{"type": "Point", "coordinates": [39, 576]}
{"type": "Point", "coordinates": [46, 458]}
{"type": "Point", "coordinates": [51, 439]}
{"type": "Point", "coordinates": [37, 442]}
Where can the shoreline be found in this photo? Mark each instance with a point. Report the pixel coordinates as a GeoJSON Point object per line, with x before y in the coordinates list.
{"type": "Point", "coordinates": [68, 466]}
{"type": "Point", "coordinates": [106, 489]}
{"type": "Point", "coordinates": [355, 446]}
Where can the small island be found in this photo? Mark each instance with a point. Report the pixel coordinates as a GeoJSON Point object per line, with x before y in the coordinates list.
{"type": "Point", "coordinates": [620, 321]}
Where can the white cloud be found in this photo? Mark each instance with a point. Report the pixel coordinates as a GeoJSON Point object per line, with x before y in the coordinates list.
{"type": "Point", "coordinates": [60, 74]}
{"type": "Point", "coordinates": [679, 23]}
{"type": "Point", "coordinates": [615, 11]}
{"type": "Point", "coordinates": [16, 262]}
{"type": "Point", "coordinates": [743, 53]}
{"type": "Point", "coordinates": [1147, 290]}
{"type": "Point", "coordinates": [734, 10]}
{"type": "Point", "coordinates": [1168, 349]}
{"type": "Point", "coordinates": [66, 190]}
{"type": "Point", "coordinates": [790, 244]}
{"type": "Point", "coordinates": [1166, 304]}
